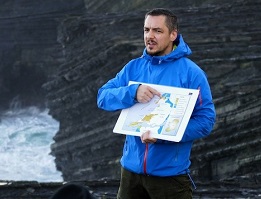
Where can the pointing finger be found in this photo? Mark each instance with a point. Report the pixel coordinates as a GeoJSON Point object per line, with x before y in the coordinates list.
{"type": "Point", "coordinates": [154, 91]}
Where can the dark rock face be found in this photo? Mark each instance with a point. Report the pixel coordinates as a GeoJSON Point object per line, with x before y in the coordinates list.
{"type": "Point", "coordinates": [123, 6]}
{"type": "Point", "coordinates": [80, 50]}
{"type": "Point", "coordinates": [80, 77]}
{"type": "Point", "coordinates": [225, 40]}
{"type": "Point", "coordinates": [29, 51]}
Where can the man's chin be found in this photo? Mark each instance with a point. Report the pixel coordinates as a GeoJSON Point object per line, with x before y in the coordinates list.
{"type": "Point", "coordinates": [152, 53]}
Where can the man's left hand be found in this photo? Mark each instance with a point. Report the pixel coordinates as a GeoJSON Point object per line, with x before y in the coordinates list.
{"type": "Point", "coordinates": [146, 138]}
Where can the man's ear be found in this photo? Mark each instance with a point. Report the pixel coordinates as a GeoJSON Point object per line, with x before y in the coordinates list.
{"type": "Point", "coordinates": [173, 35]}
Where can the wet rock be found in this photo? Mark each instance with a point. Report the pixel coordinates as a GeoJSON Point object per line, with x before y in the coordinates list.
{"type": "Point", "coordinates": [71, 50]}
{"type": "Point", "coordinates": [86, 148]}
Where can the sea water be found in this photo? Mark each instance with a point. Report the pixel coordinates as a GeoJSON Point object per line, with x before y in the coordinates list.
{"type": "Point", "coordinates": [25, 139]}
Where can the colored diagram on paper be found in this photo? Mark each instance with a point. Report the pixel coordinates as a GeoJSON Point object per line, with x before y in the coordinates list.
{"type": "Point", "coordinates": [162, 115]}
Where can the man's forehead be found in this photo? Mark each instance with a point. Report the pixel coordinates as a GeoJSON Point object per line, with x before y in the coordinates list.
{"type": "Point", "coordinates": [155, 21]}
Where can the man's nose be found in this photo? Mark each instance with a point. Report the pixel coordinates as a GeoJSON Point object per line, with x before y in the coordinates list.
{"type": "Point", "coordinates": [150, 34]}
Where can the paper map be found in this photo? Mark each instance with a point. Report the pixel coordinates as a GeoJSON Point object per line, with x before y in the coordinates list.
{"type": "Point", "coordinates": [165, 117]}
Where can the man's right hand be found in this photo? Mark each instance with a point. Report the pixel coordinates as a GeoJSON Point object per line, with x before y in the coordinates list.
{"type": "Point", "coordinates": [146, 93]}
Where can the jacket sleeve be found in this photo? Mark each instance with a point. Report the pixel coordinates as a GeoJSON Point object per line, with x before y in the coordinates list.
{"type": "Point", "coordinates": [116, 94]}
{"type": "Point", "coordinates": [203, 116]}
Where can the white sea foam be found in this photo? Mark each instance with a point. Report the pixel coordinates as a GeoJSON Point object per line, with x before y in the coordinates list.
{"type": "Point", "coordinates": [25, 139]}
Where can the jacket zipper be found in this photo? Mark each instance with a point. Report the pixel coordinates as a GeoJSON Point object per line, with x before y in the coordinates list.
{"type": "Point", "coordinates": [145, 159]}
{"type": "Point", "coordinates": [177, 152]}
{"type": "Point", "coordinates": [200, 97]}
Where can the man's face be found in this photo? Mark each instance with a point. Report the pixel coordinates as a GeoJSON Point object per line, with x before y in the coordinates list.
{"type": "Point", "coordinates": [157, 38]}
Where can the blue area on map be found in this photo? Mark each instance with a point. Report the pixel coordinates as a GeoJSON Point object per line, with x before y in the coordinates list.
{"type": "Point", "coordinates": [167, 96]}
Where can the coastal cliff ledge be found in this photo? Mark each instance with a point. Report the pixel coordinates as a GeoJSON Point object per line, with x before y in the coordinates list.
{"type": "Point", "coordinates": [56, 55]}
{"type": "Point", "coordinates": [107, 189]}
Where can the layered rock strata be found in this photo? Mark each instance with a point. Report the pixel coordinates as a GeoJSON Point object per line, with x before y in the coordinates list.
{"type": "Point", "coordinates": [29, 51]}
{"type": "Point", "coordinates": [225, 40]}
{"type": "Point", "coordinates": [72, 48]}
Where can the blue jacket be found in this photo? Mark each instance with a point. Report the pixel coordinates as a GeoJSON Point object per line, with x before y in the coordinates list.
{"type": "Point", "coordinates": [164, 158]}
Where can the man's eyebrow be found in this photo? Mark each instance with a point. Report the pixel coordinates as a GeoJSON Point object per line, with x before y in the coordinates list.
{"type": "Point", "coordinates": [157, 28]}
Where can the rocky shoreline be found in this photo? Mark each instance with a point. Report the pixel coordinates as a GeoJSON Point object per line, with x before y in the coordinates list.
{"type": "Point", "coordinates": [107, 189]}
{"type": "Point", "coordinates": [66, 52]}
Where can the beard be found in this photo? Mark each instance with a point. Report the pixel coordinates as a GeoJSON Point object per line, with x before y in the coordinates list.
{"type": "Point", "coordinates": [155, 52]}
{"type": "Point", "coordinates": [154, 49]}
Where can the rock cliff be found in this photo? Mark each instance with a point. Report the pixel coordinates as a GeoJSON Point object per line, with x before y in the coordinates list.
{"type": "Point", "coordinates": [73, 49]}
{"type": "Point", "coordinates": [29, 51]}
{"type": "Point", "coordinates": [225, 40]}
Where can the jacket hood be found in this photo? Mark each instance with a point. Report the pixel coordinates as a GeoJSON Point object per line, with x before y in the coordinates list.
{"type": "Point", "coordinates": [182, 50]}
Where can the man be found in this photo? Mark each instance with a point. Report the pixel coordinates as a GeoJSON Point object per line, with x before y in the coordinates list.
{"type": "Point", "coordinates": [154, 168]}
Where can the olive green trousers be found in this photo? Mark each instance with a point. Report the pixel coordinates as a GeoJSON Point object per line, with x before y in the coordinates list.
{"type": "Point", "coordinates": [135, 186]}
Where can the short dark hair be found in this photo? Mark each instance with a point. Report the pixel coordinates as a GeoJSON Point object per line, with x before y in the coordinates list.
{"type": "Point", "coordinates": [72, 191]}
{"type": "Point", "coordinates": [171, 19]}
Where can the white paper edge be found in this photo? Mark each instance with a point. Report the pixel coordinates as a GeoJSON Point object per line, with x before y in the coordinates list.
{"type": "Point", "coordinates": [119, 124]}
